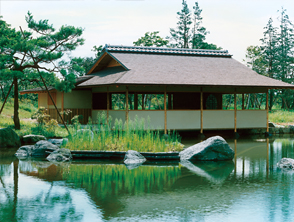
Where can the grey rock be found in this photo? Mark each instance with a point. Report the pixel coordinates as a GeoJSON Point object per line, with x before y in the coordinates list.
{"type": "Point", "coordinates": [286, 163]}
{"type": "Point", "coordinates": [58, 142]}
{"type": "Point", "coordinates": [60, 155]}
{"type": "Point", "coordinates": [271, 124]}
{"type": "Point", "coordinates": [43, 148]}
{"type": "Point", "coordinates": [8, 138]}
{"type": "Point", "coordinates": [133, 159]}
{"type": "Point", "coordinates": [32, 139]}
{"type": "Point", "coordinates": [214, 148]}
{"type": "Point", "coordinates": [24, 151]}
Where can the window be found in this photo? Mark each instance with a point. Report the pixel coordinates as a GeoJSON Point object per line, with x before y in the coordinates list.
{"type": "Point", "coordinates": [211, 102]}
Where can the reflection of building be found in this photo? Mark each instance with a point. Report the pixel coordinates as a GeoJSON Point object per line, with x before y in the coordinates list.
{"type": "Point", "coordinates": [176, 88]}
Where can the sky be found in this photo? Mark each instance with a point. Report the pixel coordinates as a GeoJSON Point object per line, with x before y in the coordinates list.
{"type": "Point", "coordinates": [233, 24]}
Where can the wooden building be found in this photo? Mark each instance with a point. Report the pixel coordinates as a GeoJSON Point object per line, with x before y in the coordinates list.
{"type": "Point", "coordinates": [190, 84]}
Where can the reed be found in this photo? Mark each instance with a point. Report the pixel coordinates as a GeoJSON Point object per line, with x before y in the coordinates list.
{"type": "Point", "coordinates": [108, 135]}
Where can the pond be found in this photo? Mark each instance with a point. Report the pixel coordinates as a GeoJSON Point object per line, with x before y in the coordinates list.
{"type": "Point", "coordinates": [249, 188]}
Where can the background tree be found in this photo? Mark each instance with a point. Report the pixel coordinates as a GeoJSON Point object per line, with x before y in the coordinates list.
{"type": "Point", "coordinates": [40, 48]}
{"type": "Point", "coordinates": [151, 39]}
{"type": "Point", "coordinates": [183, 36]}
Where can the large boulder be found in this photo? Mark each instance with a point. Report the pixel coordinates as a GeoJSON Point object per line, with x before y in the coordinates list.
{"type": "Point", "coordinates": [32, 139]}
{"type": "Point", "coordinates": [24, 151]}
{"type": "Point", "coordinates": [60, 155]}
{"type": "Point", "coordinates": [8, 138]}
{"type": "Point", "coordinates": [43, 148]}
{"type": "Point", "coordinates": [214, 148]}
{"type": "Point", "coordinates": [286, 163]}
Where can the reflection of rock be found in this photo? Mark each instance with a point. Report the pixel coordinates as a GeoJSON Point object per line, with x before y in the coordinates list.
{"type": "Point", "coordinates": [215, 172]}
{"type": "Point", "coordinates": [32, 139]}
{"type": "Point", "coordinates": [214, 148]}
{"type": "Point", "coordinates": [60, 155]}
{"type": "Point", "coordinates": [133, 159]}
{"type": "Point", "coordinates": [286, 163]}
{"type": "Point", "coordinates": [58, 142]}
{"type": "Point", "coordinates": [8, 138]}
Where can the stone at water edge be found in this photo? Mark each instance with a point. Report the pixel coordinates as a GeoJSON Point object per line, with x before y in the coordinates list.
{"type": "Point", "coordinates": [60, 155]}
{"type": "Point", "coordinates": [9, 138]}
{"type": "Point", "coordinates": [134, 157]}
{"type": "Point", "coordinates": [32, 139]}
{"type": "Point", "coordinates": [214, 148]}
{"type": "Point", "coordinates": [58, 142]}
{"type": "Point", "coordinates": [286, 163]}
{"type": "Point", "coordinates": [24, 151]}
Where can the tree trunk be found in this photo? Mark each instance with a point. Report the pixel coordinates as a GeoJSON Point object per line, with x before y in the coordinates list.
{"type": "Point", "coordinates": [16, 105]}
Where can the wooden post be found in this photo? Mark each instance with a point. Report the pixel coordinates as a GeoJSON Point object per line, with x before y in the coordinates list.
{"type": "Point", "coordinates": [235, 111]}
{"type": "Point", "coordinates": [127, 104]}
{"type": "Point", "coordinates": [62, 104]}
{"type": "Point", "coordinates": [201, 111]}
{"type": "Point", "coordinates": [165, 120]}
{"type": "Point", "coordinates": [107, 103]}
{"type": "Point", "coordinates": [267, 126]}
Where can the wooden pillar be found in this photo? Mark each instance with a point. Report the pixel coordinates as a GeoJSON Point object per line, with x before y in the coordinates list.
{"type": "Point", "coordinates": [165, 116]}
{"type": "Point", "coordinates": [127, 103]}
{"type": "Point", "coordinates": [136, 101]}
{"type": "Point", "coordinates": [267, 127]}
{"type": "Point", "coordinates": [107, 103]}
{"type": "Point", "coordinates": [201, 111]}
{"type": "Point", "coordinates": [235, 111]}
{"type": "Point", "coordinates": [243, 98]}
{"type": "Point", "coordinates": [62, 104]}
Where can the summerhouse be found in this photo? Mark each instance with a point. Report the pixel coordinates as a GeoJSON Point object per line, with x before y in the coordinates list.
{"type": "Point", "coordinates": [181, 89]}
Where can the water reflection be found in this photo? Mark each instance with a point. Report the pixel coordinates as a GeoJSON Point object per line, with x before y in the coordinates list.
{"type": "Point", "coordinates": [248, 188]}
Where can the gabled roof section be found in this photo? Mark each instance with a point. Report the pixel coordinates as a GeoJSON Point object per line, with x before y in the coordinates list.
{"type": "Point", "coordinates": [167, 51]}
{"type": "Point", "coordinates": [106, 60]}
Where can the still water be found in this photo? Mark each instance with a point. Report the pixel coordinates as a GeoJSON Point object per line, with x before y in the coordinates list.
{"type": "Point", "coordinates": [249, 188]}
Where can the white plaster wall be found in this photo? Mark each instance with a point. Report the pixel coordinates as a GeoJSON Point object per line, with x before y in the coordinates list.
{"type": "Point", "coordinates": [156, 118]}
{"type": "Point", "coordinates": [79, 99]}
{"type": "Point", "coordinates": [218, 119]}
{"type": "Point", "coordinates": [251, 119]}
{"type": "Point", "coordinates": [183, 119]}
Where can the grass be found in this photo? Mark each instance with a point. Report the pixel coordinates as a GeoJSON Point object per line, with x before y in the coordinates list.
{"type": "Point", "coordinates": [281, 117]}
{"type": "Point", "coordinates": [134, 135]}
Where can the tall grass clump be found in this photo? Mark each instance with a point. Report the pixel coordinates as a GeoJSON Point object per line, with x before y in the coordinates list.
{"type": "Point", "coordinates": [109, 135]}
{"type": "Point", "coordinates": [281, 116]}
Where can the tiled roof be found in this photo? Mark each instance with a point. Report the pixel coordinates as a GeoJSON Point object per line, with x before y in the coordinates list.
{"type": "Point", "coordinates": [173, 51]}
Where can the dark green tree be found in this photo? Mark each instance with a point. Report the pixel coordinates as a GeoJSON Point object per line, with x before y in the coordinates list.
{"type": "Point", "coordinates": [26, 54]}
{"type": "Point", "coordinates": [151, 39]}
{"type": "Point", "coordinates": [181, 35]}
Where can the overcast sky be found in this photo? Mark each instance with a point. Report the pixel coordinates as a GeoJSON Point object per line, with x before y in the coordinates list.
{"type": "Point", "coordinates": [233, 24]}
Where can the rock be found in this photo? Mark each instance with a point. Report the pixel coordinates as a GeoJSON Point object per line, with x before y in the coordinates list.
{"type": "Point", "coordinates": [286, 163]}
{"type": "Point", "coordinates": [271, 124]}
{"type": "Point", "coordinates": [32, 139]}
{"type": "Point", "coordinates": [214, 148]}
{"type": "Point", "coordinates": [133, 159]}
{"type": "Point", "coordinates": [8, 138]}
{"type": "Point", "coordinates": [24, 151]}
{"type": "Point", "coordinates": [43, 148]}
{"type": "Point", "coordinates": [58, 142]}
{"type": "Point", "coordinates": [60, 155]}
{"type": "Point", "coordinates": [84, 134]}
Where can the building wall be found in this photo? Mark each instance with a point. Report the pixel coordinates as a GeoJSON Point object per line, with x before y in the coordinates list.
{"type": "Point", "coordinates": [42, 100]}
{"type": "Point", "coordinates": [78, 99]}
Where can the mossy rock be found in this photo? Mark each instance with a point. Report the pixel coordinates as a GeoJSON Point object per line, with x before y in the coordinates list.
{"type": "Point", "coordinates": [9, 138]}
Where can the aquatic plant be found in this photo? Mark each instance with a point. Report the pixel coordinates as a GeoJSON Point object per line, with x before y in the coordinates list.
{"type": "Point", "coordinates": [119, 136]}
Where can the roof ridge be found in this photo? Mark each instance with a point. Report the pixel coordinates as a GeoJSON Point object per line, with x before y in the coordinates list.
{"type": "Point", "coordinates": [162, 50]}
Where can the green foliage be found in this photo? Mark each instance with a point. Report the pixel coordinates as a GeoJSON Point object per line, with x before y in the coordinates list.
{"type": "Point", "coordinates": [151, 39]}
{"type": "Point", "coordinates": [281, 116]}
{"type": "Point", "coordinates": [41, 116]}
{"type": "Point", "coordinates": [24, 53]}
{"type": "Point", "coordinates": [183, 36]}
{"type": "Point", "coordinates": [133, 135]}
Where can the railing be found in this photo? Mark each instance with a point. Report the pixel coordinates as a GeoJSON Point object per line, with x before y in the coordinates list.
{"type": "Point", "coordinates": [85, 113]}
